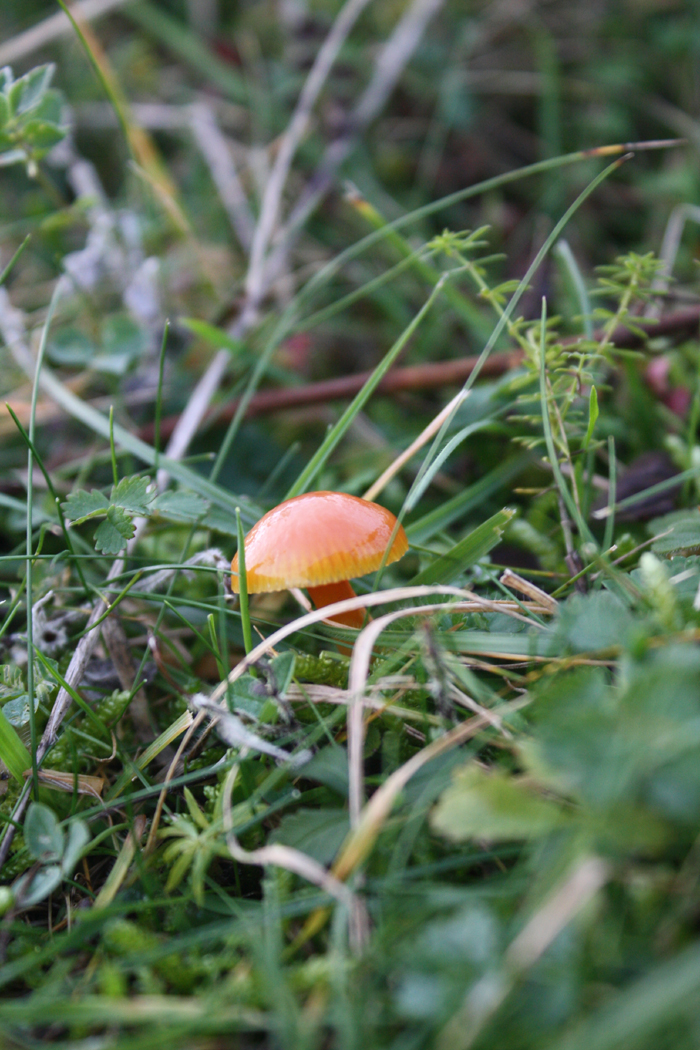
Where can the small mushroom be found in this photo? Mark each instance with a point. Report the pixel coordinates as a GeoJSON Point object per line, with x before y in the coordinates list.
{"type": "Point", "coordinates": [319, 541]}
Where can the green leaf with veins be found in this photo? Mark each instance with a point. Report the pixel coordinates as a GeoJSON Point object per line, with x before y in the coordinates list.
{"type": "Point", "coordinates": [114, 531]}
{"type": "Point", "coordinates": [132, 495]}
{"type": "Point", "coordinates": [82, 505]}
{"type": "Point", "coordinates": [180, 506]}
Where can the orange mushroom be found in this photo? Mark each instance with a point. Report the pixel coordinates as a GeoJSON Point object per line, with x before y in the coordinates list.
{"type": "Point", "coordinates": [319, 541]}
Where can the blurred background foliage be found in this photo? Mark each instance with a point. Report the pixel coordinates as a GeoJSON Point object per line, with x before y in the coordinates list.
{"type": "Point", "coordinates": [538, 887]}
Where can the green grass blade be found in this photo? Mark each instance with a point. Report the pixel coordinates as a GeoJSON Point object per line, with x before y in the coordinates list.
{"type": "Point", "coordinates": [181, 41]}
{"type": "Point", "coordinates": [470, 548]}
{"type": "Point", "coordinates": [11, 265]}
{"type": "Point", "coordinates": [12, 751]}
{"type": "Point", "coordinates": [336, 434]}
{"type": "Point", "coordinates": [508, 312]}
{"type": "Point", "coordinates": [467, 500]}
{"type": "Point", "coordinates": [243, 586]}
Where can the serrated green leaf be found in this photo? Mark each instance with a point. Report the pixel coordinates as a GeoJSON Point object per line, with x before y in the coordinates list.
{"type": "Point", "coordinates": [493, 806]}
{"type": "Point", "coordinates": [132, 495]}
{"type": "Point", "coordinates": [4, 111]}
{"type": "Point", "coordinates": [683, 533]}
{"type": "Point", "coordinates": [114, 531]}
{"type": "Point", "coordinates": [180, 506]}
{"type": "Point", "coordinates": [82, 505]}
{"type": "Point", "coordinates": [43, 834]}
{"type": "Point", "coordinates": [470, 548]}
{"type": "Point", "coordinates": [219, 519]}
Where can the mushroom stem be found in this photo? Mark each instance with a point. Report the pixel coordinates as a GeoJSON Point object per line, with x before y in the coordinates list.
{"type": "Point", "coordinates": [328, 593]}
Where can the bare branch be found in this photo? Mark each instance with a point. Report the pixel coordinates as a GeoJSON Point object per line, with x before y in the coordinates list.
{"type": "Point", "coordinates": [389, 66]}
{"type": "Point", "coordinates": [52, 28]}
{"type": "Point", "coordinates": [215, 150]}
{"type": "Point", "coordinates": [289, 143]}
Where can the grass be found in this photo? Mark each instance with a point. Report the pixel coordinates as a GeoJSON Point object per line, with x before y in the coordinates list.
{"type": "Point", "coordinates": [226, 822]}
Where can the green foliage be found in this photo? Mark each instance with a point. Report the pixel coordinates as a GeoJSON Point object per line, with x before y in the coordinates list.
{"type": "Point", "coordinates": [491, 807]}
{"type": "Point", "coordinates": [129, 498]}
{"type": "Point", "coordinates": [30, 116]}
{"type": "Point", "coordinates": [56, 855]}
{"type": "Point", "coordinates": [484, 832]}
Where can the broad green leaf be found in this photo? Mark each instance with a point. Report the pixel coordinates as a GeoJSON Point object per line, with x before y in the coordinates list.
{"type": "Point", "coordinates": [123, 337]}
{"type": "Point", "coordinates": [26, 93]}
{"type": "Point", "coordinates": [475, 545]}
{"type": "Point", "coordinates": [50, 109]}
{"type": "Point", "coordinates": [39, 886]}
{"type": "Point", "coordinates": [12, 751]}
{"type": "Point", "coordinates": [329, 766]}
{"type": "Point", "coordinates": [43, 834]}
{"type": "Point", "coordinates": [589, 622]}
{"type": "Point", "coordinates": [282, 670]}
{"type": "Point", "coordinates": [82, 505]}
{"type": "Point", "coordinates": [78, 838]}
{"type": "Point", "coordinates": [115, 530]}
{"type": "Point", "coordinates": [4, 111]}
{"type": "Point", "coordinates": [40, 135]}
{"type": "Point", "coordinates": [69, 346]}
{"type": "Point", "coordinates": [317, 832]}
{"type": "Point", "coordinates": [493, 806]}
{"type": "Point", "coordinates": [132, 495]}
{"type": "Point", "coordinates": [178, 505]}
{"type": "Point", "coordinates": [16, 711]}
{"type": "Point", "coordinates": [682, 533]}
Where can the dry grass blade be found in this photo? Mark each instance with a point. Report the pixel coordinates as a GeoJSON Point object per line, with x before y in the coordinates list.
{"type": "Point", "coordinates": [361, 839]}
{"type": "Point", "coordinates": [359, 670]}
{"type": "Point", "coordinates": [395, 594]}
{"type": "Point", "coordinates": [290, 141]}
{"type": "Point", "coordinates": [517, 583]}
{"type": "Point", "coordinates": [295, 861]}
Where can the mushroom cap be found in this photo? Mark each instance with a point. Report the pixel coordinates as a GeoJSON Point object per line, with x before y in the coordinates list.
{"type": "Point", "coordinates": [318, 538]}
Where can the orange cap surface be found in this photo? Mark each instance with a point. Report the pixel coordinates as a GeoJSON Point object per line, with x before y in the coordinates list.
{"type": "Point", "coordinates": [318, 538]}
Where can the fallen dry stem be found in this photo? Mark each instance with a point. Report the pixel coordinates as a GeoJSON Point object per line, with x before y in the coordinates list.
{"type": "Point", "coordinates": [301, 864]}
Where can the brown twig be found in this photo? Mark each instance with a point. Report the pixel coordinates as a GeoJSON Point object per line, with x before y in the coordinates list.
{"type": "Point", "coordinates": [414, 377]}
{"type": "Point", "coordinates": [418, 377]}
